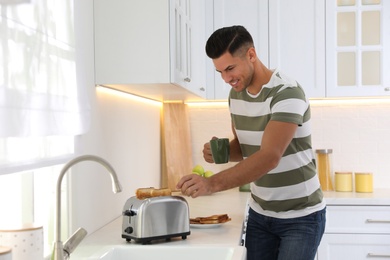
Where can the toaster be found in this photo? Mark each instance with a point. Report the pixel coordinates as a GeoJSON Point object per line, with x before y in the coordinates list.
{"type": "Point", "coordinates": [155, 218]}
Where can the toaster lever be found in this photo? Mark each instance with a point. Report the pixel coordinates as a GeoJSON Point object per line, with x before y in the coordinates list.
{"type": "Point", "coordinates": [129, 213]}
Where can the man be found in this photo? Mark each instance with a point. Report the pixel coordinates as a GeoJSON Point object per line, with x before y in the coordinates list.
{"type": "Point", "coordinates": [272, 145]}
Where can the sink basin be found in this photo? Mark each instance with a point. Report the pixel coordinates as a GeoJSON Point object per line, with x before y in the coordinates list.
{"type": "Point", "coordinates": [125, 252]}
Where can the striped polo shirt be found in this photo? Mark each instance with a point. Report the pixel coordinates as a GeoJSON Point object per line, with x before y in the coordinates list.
{"type": "Point", "coordinates": [292, 189]}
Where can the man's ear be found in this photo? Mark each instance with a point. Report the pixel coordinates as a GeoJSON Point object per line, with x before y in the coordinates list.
{"type": "Point", "coordinates": [252, 54]}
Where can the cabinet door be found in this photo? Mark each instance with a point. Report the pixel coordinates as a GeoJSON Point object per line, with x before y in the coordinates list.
{"type": "Point", "coordinates": [142, 47]}
{"type": "Point", "coordinates": [354, 246]}
{"type": "Point", "coordinates": [358, 48]}
{"type": "Point", "coordinates": [187, 33]}
{"type": "Point", "coordinates": [181, 32]}
{"type": "Point", "coordinates": [358, 219]}
{"type": "Point", "coordinates": [297, 42]}
{"type": "Point", "coordinates": [199, 15]}
{"type": "Point", "coordinates": [253, 15]}
{"type": "Point", "coordinates": [131, 42]}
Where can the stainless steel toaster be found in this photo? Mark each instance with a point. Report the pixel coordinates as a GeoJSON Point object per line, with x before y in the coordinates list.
{"type": "Point", "coordinates": [155, 218]}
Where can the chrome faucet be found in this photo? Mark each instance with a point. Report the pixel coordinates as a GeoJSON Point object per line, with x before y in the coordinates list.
{"type": "Point", "coordinates": [62, 251]}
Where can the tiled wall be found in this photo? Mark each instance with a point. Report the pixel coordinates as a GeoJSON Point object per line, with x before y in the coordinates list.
{"type": "Point", "coordinates": [357, 131]}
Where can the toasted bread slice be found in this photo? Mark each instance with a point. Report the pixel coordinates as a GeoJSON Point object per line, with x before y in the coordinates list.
{"type": "Point", "coordinates": [144, 193]}
{"type": "Point", "coordinates": [214, 219]}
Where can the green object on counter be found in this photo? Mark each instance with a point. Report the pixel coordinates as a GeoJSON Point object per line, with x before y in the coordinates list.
{"type": "Point", "coordinates": [245, 188]}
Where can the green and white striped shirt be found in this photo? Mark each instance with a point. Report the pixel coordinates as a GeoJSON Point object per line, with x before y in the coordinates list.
{"type": "Point", "coordinates": [292, 189]}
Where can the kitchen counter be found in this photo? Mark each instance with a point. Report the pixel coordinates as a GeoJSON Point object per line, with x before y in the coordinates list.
{"type": "Point", "coordinates": [380, 197]}
{"type": "Point", "coordinates": [231, 202]}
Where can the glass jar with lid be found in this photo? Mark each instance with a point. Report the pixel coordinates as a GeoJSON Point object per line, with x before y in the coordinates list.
{"type": "Point", "coordinates": [324, 168]}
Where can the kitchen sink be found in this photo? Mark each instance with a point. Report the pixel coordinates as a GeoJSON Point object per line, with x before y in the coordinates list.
{"type": "Point", "coordinates": [195, 252]}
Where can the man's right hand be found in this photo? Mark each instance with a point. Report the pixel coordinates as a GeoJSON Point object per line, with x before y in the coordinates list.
{"type": "Point", "coordinates": [207, 155]}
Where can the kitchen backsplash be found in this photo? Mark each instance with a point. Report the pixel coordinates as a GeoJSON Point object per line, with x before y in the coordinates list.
{"type": "Point", "coordinates": [356, 130]}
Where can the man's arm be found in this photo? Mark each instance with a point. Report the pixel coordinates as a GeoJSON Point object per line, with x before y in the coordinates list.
{"type": "Point", "coordinates": [277, 136]}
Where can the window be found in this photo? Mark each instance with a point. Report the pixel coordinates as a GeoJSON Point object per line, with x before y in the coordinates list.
{"type": "Point", "coordinates": [42, 109]}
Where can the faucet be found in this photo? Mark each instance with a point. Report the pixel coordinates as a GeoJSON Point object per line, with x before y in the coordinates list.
{"type": "Point", "coordinates": [62, 251]}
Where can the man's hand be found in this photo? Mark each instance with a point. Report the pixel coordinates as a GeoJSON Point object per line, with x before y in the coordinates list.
{"type": "Point", "coordinates": [194, 185]}
{"type": "Point", "coordinates": [207, 155]}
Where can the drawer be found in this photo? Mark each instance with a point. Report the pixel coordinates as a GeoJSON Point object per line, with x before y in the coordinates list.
{"type": "Point", "coordinates": [356, 247]}
{"type": "Point", "coordinates": [358, 219]}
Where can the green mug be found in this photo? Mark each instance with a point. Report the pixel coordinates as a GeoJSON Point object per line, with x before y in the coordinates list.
{"type": "Point", "coordinates": [220, 150]}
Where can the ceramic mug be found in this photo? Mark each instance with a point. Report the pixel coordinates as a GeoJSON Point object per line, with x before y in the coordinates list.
{"type": "Point", "coordinates": [220, 150]}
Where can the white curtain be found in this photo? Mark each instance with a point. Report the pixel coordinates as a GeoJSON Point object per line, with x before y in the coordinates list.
{"type": "Point", "coordinates": [38, 91]}
{"type": "Point", "coordinates": [39, 95]}
{"type": "Point", "coordinates": [24, 113]}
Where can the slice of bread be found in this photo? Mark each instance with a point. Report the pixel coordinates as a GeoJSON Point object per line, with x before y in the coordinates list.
{"type": "Point", "coordinates": [214, 219]}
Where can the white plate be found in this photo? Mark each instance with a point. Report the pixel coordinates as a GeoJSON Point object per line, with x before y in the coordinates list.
{"type": "Point", "coordinates": [206, 225]}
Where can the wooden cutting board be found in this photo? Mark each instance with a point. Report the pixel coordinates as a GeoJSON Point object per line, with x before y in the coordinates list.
{"type": "Point", "coordinates": [176, 144]}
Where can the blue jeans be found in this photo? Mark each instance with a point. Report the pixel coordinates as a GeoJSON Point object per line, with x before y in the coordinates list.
{"type": "Point", "coordinates": [270, 238]}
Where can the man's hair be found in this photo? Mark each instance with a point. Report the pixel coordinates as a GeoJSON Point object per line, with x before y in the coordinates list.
{"type": "Point", "coordinates": [231, 39]}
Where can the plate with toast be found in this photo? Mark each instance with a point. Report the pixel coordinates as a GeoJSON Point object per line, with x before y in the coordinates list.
{"type": "Point", "coordinates": [212, 221]}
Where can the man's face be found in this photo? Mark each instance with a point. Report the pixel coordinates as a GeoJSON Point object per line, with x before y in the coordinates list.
{"type": "Point", "coordinates": [237, 71]}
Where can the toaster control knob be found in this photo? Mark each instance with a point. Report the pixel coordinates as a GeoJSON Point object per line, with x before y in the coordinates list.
{"type": "Point", "coordinates": [128, 213]}
{"type": "Point", "coordinates": [129, 230]}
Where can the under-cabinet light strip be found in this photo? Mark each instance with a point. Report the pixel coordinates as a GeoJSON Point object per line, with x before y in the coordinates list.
{"type": "Point", "coordinates": [128, 95]}
{"type": "Point", "coordinates": [349, 101]}
{"type": "Point", "coordinates": [314, 102]}
{"type": "Point", "coordinates": [207, 103]}
{"type": "Point", "coordinates": [224, 104]}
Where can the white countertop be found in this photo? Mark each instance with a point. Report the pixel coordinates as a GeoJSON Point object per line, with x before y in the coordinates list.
{"type": "Point", "coordinates": [380, 197]}
{"type": "Point", "coordinates": [231, 202]}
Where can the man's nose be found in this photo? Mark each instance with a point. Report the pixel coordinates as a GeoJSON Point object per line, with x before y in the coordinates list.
{"type": "Point", "coordinates": [225, 76]}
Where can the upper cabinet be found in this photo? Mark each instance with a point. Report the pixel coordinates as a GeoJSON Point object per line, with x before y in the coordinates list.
{"type": "Point", "coordinates": [151, 48]}
{"type": "Point", "coordinates": [358, 48]}
{"type": "Point", "coordinates": [247, 13]}
{"type": "Point", "coordinates": [297, 42]}
{"type": "Point", "coordinates": [156, 48]}
{"type": "Point", "coordinates": [289, 35]}
{"type": "Point", "coordinates": [333, 48]}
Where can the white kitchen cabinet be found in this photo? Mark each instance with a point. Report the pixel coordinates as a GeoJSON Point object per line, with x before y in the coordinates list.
{"type": "Point", "coordinates": [151, 47]}
{"type": "Point", "coordinates": [289, 35]}
{"type": "Point", "coordinates": [358, 47]}
{"type": "Point", "coordinates": [332, 48]}
{"type": "Point", "coordinates": [356, 232]}
{"type": "Point", "coordinates": [253, 15]}
{"type": "Point", "coordinates": [354, 247]}
{"type": "Point", "coordinates": [297, 42]}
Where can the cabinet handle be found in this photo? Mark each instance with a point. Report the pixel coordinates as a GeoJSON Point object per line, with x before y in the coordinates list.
{"type": "Point", "coordinates": [376, 255]}
{"type": "Point", "coordinates": [387, 89]}
{"type": "Point", "coordinates": [202, 89]}
{"type": "Point", "coordinates": [187, 79]}
{"type": "Point", "coordinates": [377, 221]}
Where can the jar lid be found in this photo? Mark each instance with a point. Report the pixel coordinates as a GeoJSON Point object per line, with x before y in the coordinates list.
{"type": "Point", "coordinates": [324, 151]}
{"type": "Point", "coordinates": [21, 228]}
{"type": "Point", "coordinates": [5, 250]}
